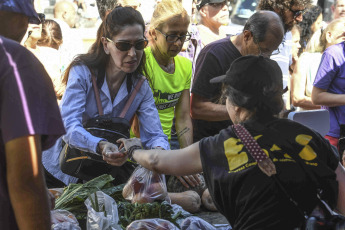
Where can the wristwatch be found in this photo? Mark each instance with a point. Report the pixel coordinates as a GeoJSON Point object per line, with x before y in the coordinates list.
{"type": "Point", "coordinates": [131, 151]}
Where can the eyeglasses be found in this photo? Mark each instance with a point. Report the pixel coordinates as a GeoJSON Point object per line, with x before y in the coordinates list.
{"type": "Point", "coordinates": [217, 5]}
{"type": "Point", "coordinates": [297, 13]}
{"type": "Point", "coordinates": [42, 19]}
{"type": "Point", "coordinates": [174, 38]}
{"type": "Point", "coordinates": [267, 53]}
{"type": "Point", "coordinates": [125, 46]}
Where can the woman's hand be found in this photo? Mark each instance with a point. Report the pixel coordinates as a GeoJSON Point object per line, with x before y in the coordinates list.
{"type": "Point", "coordinates": [111, 153]}
{"type": "Point", "coordinates": [128, 143]}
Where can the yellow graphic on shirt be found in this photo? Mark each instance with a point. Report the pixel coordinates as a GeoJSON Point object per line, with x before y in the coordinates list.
{"type": "Point", "coordinates": [307, 152]}
{"type": "Point", "coordinates": [233, 152]}
{"type": "Point", "coordinates": [238, 159]}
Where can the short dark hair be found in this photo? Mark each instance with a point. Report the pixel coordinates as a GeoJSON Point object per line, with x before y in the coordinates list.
{"type": "Point", "coordinates": [104, 6]}
{"type": "Point", "coordinates": [258, 24]}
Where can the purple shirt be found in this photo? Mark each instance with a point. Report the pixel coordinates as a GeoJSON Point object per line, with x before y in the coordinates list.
{"type": "Point", "coordinates": [27, 107]}
{"type": "Point", "coordinates": [331, 77]}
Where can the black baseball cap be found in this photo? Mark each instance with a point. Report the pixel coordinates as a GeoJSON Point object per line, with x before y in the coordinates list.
{"type": "Point", "coordinates": [201, 3]}
{"type": "Point", "coordinates": [251, 73]}
{"type": "Point", "coordinates": [25, 7]}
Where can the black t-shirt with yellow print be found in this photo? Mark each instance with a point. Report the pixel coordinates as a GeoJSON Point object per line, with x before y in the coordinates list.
{"type": "Point", "coordinates": [247, 197]}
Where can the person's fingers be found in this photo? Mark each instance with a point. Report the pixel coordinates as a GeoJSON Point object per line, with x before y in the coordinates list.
{"type": "Point", "coordinates": [183, 182]}
{"type": "Point", "coordinates": [191, 181]}
{"type": "Point", "coordinates": [197, 178]}
{"type": "Point", "coordinates": [121, 140]}
{"type": "Point", "coordinates": [115, 162]}
{"type": "Point", "coordinates": [114, 155]}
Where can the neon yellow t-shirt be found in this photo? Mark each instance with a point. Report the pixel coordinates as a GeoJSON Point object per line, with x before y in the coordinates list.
{"type": "Point", "coordinates": [167, 88]}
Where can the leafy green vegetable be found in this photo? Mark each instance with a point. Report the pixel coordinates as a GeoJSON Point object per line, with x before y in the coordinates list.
{"type": "Point", "coordinates": [74, 195]}
{"type": "Point", "coordinates": [130, 212]}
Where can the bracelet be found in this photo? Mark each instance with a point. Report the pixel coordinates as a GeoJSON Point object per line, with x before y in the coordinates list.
{"type": "Point", "coordinates": [131, 151]}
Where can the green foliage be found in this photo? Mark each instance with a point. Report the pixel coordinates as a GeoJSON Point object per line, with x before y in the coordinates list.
{"type": "Point", "coordinates": [74, 195]}
{"type": "Point", "coordinates": [130, 212]}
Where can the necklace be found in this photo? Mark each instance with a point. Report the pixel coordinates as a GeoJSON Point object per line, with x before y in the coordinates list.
{"type": "Point", "coordinates": [169, 68]}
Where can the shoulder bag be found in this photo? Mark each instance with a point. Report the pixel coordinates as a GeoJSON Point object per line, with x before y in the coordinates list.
{"type": "Point", "coordinates": [86, 165]}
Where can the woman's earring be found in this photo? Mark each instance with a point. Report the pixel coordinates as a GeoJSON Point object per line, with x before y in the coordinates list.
{"type": "Point", "coordinates": [155, 38]}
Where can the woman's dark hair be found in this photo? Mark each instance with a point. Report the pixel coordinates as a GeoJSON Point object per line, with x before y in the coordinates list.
{"type": "Point", "coordinates": [255, 83]}
{"type": "Point", "coordinates": [51, 34]}
{"type": "Point", "coordinates": [309, 17]}
{"type": "Point", "coordinates": [96, 58]}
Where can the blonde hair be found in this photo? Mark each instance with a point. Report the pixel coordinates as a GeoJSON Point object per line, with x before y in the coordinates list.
{"type": "Point", "coordinates": [318, 42]}
{"type": "Point", "coordinates": [332, 27]}
{"type": "Point", "coordinates": [167, 10]}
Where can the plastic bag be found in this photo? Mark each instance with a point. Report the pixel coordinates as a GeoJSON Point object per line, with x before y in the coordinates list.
{"type": "Point", "coordinates": [56, 192]}
{"type": "Point", "coordinates": [145, 186]}
{"type": "Point", "coordinates": [151, 224]}
{"type": "Point", "coordinates": [102, 212]}
{"type": "Point", "coordinates": [196, 223]}
{"type": "Point", "coordinates": [63, 220]}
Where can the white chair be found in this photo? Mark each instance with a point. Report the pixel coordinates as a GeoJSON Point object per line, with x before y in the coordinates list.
{"type": "Point", "coordinates": [316, 119]}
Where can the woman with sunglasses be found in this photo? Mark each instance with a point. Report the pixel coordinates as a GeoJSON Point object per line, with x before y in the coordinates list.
{"type": "Point", "coordinates": [116, 59]}
{"type": "Point", "coordinates": [170, 75]}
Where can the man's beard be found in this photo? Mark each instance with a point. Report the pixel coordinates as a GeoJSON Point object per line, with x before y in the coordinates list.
{"type": "Point", "coordinates": [287, 25]}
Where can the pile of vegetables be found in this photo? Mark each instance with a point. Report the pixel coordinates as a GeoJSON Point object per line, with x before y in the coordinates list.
{"type": "Point", "coordinates": [130, 212]}
{"type": "Point", "coordinates": [74, 195]}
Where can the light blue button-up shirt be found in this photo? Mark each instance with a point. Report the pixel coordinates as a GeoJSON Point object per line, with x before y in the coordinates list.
{"type": "Point", "coordinates": [79, 105]}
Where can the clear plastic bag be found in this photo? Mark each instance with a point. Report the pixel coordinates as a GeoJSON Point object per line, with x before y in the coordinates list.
{"type": "Point", "coordinates": [145, 186]}
{"type": "Point", "coordinates": [151, 224]}
{"type": "Point", "coordinates": [63, 220]}
{"type": "Point", "coordinates": [102, 212]}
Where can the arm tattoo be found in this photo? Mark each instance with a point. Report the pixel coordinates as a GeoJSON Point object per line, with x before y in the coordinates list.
{"type": "Point", "coordinates": [183, 131]}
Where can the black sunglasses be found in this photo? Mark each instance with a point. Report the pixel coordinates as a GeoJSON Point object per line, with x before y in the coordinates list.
{"type": "Point", "coordinates": [125, 46]}
{"type": "Point", "coordinates": [174, 38]}
{"type": "Point", "coordinates": [297, 13]}
{"type": "Point", "coordinates": [42, 18]}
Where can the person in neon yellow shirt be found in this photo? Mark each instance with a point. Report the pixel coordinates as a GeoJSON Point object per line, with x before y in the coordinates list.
{"type": "Point", "coordinates": [170, 75]}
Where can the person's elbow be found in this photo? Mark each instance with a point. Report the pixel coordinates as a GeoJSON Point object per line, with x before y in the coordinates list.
{"type": "Point", "coordinates": [315, 99]}
{"type": "Point", "coordinates": [296, 101]}
{"type": "Point", "coordinates": [196, 110]}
